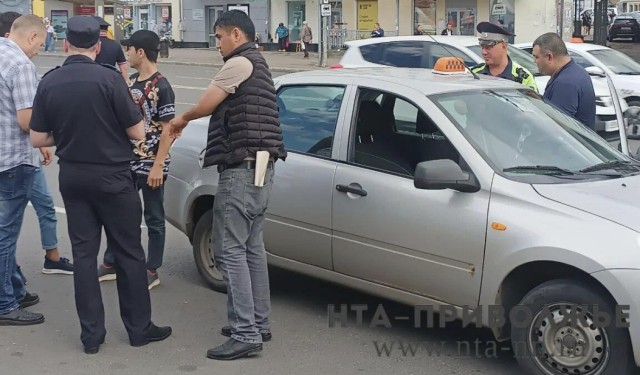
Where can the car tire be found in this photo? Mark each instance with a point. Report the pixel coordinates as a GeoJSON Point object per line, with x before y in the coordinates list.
{"type": "Point", "coordinates": [586, 348]}
{"type": "Point", "coordinates": [203, 253]}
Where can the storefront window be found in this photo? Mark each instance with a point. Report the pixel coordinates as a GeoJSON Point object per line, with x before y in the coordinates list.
{"type": "Point", "coordinates": [502, 12]}
{"type": "Point", "coordinates": [424, 15]}
{"type": "Point", "coordinates": [296, 13]}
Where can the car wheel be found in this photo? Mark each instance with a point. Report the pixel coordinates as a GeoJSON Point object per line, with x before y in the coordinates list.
{"type": "Point", "coordinates": [545, 343]}
{"type": "Point", "coordinates": [203, 253]}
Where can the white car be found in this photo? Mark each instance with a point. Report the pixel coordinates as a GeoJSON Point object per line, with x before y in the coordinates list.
{"type": "Point", "coordinates": [623, 70]}
{"type": "Point", "coordinates": [424, 51]}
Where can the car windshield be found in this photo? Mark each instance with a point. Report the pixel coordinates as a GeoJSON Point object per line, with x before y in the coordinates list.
{"type": "Point", "coordinates": [521, 57]}
{"type": "Point", "coordinates": [617, 61]}
{"type": "Point", "coordinates": [526, 139]}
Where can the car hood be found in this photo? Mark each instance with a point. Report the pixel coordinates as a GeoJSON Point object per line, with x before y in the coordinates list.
{"type": "Point", "coordinates": [626, 84]}
{"type": "Point", "coordinates": [616, 200]}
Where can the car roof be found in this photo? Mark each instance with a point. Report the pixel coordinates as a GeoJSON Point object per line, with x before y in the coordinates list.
{"type": "Point", "coordinates": [455, 40]}
{"type": "Point", "coordinates": [583, 47]}
{"type": "Point", "coordinates": [422, 80]}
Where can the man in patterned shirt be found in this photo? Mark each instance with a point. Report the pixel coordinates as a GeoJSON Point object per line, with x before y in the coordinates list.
{"type": "Point", "coordinates": [18, 84]}
{"type": "Point", "coordinates": [153, 93]}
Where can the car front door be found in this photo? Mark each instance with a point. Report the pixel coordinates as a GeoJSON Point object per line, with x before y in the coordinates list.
{"type": "Point", "coordinates": [386, 231]}
{"type": "Point", "coordinates": [299, 214]}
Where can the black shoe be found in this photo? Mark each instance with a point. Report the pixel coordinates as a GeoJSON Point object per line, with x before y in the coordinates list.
{"type": "Point", "coordinates": [93, 349]}
{"type": "Point", "coordinates": [20, 317]}
{"type": "Point", "coordinates": [154, 333]}
{"type": "Point", "coordinates": [226, 331]}
{"type": "Point", "coordinates": [233, 349]}
{"type": "Point", "coordinates": [29, 299]}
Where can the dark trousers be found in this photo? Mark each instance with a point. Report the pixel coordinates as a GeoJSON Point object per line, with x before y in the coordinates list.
{"type": "Point", "coordinates": [154, 218]}
{"type": "Point", "coordinates": [97, 197]}
{"type": "Point", "coordinates": [282, 43]}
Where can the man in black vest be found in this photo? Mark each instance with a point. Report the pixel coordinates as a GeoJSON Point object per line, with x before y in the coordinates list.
{"type": "Point", "coordinates": [244, 120]}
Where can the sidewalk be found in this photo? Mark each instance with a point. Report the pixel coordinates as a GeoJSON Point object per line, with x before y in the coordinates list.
{"type": "Point", "coordinates": [278, 61]}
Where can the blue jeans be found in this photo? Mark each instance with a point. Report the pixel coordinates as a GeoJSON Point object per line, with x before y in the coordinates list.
{"type": "Point", "coordinates": [153, 202]}
{"type": "Point", "coordinates": [43, 204]}
{"type": "Point", "coordinates": [15, 189]}
{"type": "Point", "coordinates": [238, 220]}
{"type": "Point", "coordinates": [50, 43]}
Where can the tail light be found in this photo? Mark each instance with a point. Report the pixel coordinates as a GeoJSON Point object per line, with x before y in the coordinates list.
{"type": "Point", "coordinates": [336, 66]}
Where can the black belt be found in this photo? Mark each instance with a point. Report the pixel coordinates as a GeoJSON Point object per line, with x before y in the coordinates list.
{"type": "Point", "coordinates": [245, 164]}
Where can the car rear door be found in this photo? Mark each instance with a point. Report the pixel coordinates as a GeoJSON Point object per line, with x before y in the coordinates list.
{"type": "Point", "coordinates": [299, 215]}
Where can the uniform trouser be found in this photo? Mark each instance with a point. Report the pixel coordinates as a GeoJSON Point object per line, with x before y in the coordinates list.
{"type": "Point", "coordinates": [154, 219]}
{"type": "Point", "coordinates": [238, 220]}
{"type": "Point", "coordinates": [97, 196]}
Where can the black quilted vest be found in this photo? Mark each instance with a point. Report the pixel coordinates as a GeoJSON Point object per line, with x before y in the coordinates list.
{"type": "Point", "coordinates": [246, 121]}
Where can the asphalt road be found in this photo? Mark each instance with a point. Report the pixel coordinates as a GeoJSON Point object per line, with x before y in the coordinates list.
{"type": "Point", "coordinates": [304, 342]}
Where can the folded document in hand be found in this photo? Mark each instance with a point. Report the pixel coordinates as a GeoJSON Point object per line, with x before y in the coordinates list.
{"type": "Point", "coordinates": [262, 161]}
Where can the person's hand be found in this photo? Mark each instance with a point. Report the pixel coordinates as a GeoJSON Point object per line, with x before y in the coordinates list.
{"type": "Point", "coordinates": [46, 155]}
{"type": "Point", "coordinates": [177, 124]}
{"type": "Point", "coordinates": [156, 177]}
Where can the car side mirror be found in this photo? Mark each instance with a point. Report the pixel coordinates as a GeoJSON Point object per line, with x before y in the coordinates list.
{"type": "Point", "coordinates": [595, 71]}
{"type": "Point", "coordinates": [444, 174]}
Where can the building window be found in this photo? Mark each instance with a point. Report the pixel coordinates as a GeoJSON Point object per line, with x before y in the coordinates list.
{"type": "Point", "coordinates": [296, 13]}
{"type": "Point", "coordinates": [502, 12]}
{"type": "Point", "coordinates": [424, 14]}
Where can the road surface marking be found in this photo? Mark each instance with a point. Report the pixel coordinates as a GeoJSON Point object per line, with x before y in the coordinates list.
{"type": "Point", "coordinates": [185, 77]}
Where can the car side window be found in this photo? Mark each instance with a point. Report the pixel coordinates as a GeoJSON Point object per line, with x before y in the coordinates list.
{"type": "Point", "coordinates": [394, 135]}
{"type": "Point", "coordinates": [371, 52]}
{"type": "Point", "coordinates": [308, 117]}
{"type": "Point", "coordinates": [580, 60]}
{"type": "Point", "coordinates": [403, 54]}
{"type": "Point", "coordinates": [436, 51]}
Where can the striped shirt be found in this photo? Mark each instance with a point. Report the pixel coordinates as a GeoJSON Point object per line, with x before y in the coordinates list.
{"type": "Point", "coordinates": [18, 84]}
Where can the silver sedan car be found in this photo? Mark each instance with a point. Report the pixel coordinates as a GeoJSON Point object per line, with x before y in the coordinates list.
{"type": "Point", "coordinates": [446, 190]}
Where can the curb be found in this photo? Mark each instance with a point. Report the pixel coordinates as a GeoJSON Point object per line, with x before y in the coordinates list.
{"type": "Point", "coordinates": [204, 64]}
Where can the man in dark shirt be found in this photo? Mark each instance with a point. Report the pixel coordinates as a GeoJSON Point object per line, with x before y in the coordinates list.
{"type": "Point", "coordinates": [110, 51]}
{"type": "Point", "coordinates": [153, 93]}
{"type": "Point", "coordinates": [85, 110]}
{"type": "Point", "coordinates": [570, 87]}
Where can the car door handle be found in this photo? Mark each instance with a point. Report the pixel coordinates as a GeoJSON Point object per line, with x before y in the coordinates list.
{"type": "Point", "coordinates": [351, 189]}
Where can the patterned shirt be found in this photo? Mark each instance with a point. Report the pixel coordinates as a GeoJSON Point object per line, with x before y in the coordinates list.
{"type": "Point", "coordinates": [18, 84]}
{"type": "Point", "coordinates": [159, 105]}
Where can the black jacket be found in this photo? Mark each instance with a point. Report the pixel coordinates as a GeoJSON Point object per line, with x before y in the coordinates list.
{"type": "Point", "coordinates": [246, 121]}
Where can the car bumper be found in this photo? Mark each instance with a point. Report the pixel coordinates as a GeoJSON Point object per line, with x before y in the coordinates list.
{"type": "Point", "coordinates": [622, 283]}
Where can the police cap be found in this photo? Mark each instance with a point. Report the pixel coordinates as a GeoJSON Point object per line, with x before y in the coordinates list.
{"type": "Point", "coordinates": [83, 31]}
{"type": "Point", "coordinates": [103, 24]}
{"type": "Point", "coordinates": [492, 34]}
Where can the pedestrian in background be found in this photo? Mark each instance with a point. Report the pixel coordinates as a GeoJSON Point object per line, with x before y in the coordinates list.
{"type": "Point", "coordinates": [244, 121]}
{"type": "Point", "coordinates": [419, 30]}
{"type": "Point", "coordinates": [570, 87]}
{"type": "Point", "coordinates": [377, 32]}
{"type": "Point", "coordinates": [306, 36]}
{"type": "Point", "coordinates": [50, 43]}
{"type": "Point", "coordinates": [283, 37]}
{"type": "Point", "coordinates": [85, 110]}
{"type": "Point", "coordinates": [449, 30]}
{"type": "Point", "coordinates": [111, 51]}
{"type": "Point", "coordinates": [152, 92]}
{"type": "Point", "coordinates": [18, 82]}
{"type": "Point", "coordinates": [40, 196]}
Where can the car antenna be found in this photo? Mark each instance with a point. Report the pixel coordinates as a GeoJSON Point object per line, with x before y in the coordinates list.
{"type": "Point", "coordinates": [475, 76]}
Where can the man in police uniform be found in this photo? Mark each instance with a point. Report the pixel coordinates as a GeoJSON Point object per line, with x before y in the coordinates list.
{"type": "Point", "coordinates": [493, 41]}
{"type": "Point", "coordinates": [110, 51]}
{"type": "Point", "coordinates": [85, 110]}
